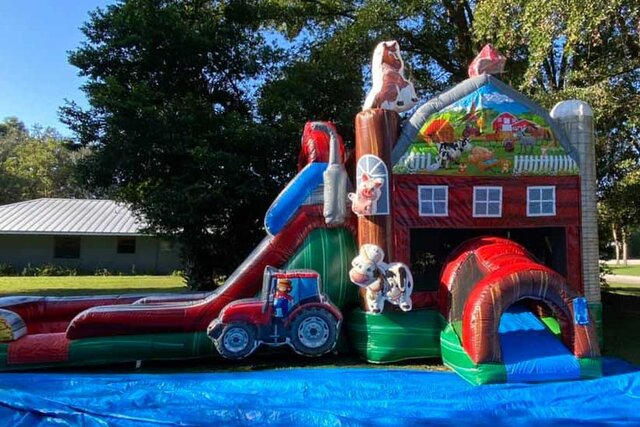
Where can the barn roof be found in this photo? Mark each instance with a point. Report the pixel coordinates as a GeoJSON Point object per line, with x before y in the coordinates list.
{"type": "Point", "coordinates": [456, 93]}
{"type": "Point", "coordinates": [69, 217]}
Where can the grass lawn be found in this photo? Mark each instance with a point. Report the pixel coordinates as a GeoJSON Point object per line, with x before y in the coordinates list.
{"type": "Point", "coordinates": [632, 270]}
{"type": "Point", "coordinates": [90, 285]}
{"type": "Point", "coordinates": [623, 289]}
{"type": "Point", "coordinates": [621, 317]}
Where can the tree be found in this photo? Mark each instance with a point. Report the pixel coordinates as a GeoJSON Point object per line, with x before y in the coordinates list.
{"type": "Point", "coordinates": [171, 124]}
{"type": "Point", "coordinates": [619, 208]}
{"type": "Point", "coordinates": [588, 50]}
{"type": "Point", "coordinates": [12, 127]}
{"type": "Point", "coordinates": [331, 43]}
{"type": "Point", "coordinates": [36, 163]}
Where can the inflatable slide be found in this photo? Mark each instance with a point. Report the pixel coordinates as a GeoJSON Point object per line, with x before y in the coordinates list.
{"type": "Point", "coordinates": [404, 256]}
{"type": "Point", "coordinates": [49, 331]}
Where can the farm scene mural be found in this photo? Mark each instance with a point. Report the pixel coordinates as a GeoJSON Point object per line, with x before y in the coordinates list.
{"type": "Point", "coordinates": [486, 133]}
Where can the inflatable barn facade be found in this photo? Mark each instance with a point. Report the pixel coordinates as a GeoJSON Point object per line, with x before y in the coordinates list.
{"type": "Point", "coordinates": [493, 207]}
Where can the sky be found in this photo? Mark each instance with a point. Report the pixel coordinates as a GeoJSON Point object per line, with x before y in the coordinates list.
{"type": "Point", "coordinates": [35, 77]}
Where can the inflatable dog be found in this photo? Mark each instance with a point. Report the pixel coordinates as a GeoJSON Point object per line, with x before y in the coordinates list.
{"type": "Point", "coordinates": [390, 89]}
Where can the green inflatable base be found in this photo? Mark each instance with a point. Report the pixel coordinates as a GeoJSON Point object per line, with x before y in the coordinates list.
{"type": "Point", "coordinates": [395, 336]}
{"type": "Point", "coordinates": [127, 348]}
{"type": "Point", "coordinates": [329, 251]}
{"type": "Point", "coordinates": [454, 356]}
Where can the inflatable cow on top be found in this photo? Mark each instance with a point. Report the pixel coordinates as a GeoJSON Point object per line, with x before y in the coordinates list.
{"type": "Point", "coordinates": [383, 282]}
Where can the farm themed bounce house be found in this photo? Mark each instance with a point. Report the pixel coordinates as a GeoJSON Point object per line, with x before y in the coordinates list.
{"type": "Point", "coordinates": [468, 233]}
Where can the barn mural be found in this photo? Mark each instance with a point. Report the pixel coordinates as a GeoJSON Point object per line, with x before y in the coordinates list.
{"type": "Point", "coordinates": [487, 132]}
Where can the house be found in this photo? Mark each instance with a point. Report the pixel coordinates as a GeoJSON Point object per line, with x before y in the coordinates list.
{"type": "Point", "coordinates": [524, 125]}
{"type": "Point", "coordinates": [83, 234]}
{"type": "Point", "coordinates": [504, 122]}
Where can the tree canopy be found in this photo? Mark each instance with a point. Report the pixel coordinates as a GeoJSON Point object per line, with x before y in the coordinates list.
{"type": "Point", "coordinates": [171, 125]}
{"type": "Point", "coordinates": [36, 163]}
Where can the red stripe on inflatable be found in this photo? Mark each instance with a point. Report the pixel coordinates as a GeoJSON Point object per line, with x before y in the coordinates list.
{"type": "Point", "coordinates": [299, 275]}
{"type": "Point", "coordinates": [453, 263]}
{"type": "Point", "coordinates": [55, 309]}
{"type": "Point", "coordinates": [47, 327]}
{"type": "Point", "coordinates": [41, 348]}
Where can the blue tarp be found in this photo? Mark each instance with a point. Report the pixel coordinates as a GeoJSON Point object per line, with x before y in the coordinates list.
{"type": "Point", "coordinates": [531, 352]}
{"type": "Point", "coordinates": [312, 397]}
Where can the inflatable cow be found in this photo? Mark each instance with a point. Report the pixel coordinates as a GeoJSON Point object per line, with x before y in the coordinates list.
{"type": "Point", "coordinates": [383, 282]}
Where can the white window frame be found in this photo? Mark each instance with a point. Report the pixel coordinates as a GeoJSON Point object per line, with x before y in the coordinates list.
{"type": "Point", "coordinates": [433, 188]}
{"type": "Point", "coordinates": [554, 200]}
{"type": "Point", "coordinates": [366, 165]}
{"type": "Point", "coordinates": [487, 215]}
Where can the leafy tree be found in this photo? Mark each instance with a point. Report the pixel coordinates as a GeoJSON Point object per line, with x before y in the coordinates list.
{"type": "Point", "coordinates": [12, 127]}
{"type": "Point", "coordinates": [620, 210]}
{"type": "Point", "coordinates": [177, 128]}
{"type": "Point", "coordinates": [588, 50]}
{"type": "Point", "coordinates": [171, 124]}
{"type": "Point", "coordinates": [331, 43]}
{"type": "Point", "coordinates": [435, 35]}
{"type": "Point", "coordinates": [36, 163]}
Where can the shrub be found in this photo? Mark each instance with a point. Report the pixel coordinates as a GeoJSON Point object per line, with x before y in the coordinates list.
{"type": "Point", "coordinates": [103, 272]}
{"type": "Point", "coordinates": [48, 270]}
{"type": "Point", "coordinates": [7, 270]}
{"type": "Point", "coordinates": [29, 270]}
{"type": "Point", "coordinates": [177, 273]}
{"type": "Point", "coordinates": [55, 270]}
{"type": "Point", "coordinates": [605, 269]}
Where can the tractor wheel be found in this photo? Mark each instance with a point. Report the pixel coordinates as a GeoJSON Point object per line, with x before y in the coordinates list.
{"type": "Point", "coordinates": [236, 341]}
{"type": "Point", "coordinates": [314, 332]}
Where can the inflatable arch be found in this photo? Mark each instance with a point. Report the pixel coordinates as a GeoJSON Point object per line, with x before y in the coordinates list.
{"type": "Point", "coordinates": [485, 277]}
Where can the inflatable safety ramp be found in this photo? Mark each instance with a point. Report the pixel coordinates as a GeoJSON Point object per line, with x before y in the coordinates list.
{"type": "Point", "coordinates": [511, 319]}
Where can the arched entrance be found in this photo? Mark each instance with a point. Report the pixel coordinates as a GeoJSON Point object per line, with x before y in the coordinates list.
{"type": "Point", "coordinates": [485, 276]}
{"type": "Point", "coordinates": [501, 289]}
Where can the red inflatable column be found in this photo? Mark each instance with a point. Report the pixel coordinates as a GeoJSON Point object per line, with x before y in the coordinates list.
{"type": "Point", "coordinates": [376, 133]}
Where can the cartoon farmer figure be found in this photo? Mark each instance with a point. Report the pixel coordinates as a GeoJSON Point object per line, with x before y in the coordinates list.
{"type": "Point", "coordinates": [282, 299]}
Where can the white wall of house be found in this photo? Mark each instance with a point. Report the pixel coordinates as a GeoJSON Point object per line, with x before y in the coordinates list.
{"type": "Point", "coordinates": [151, 254]}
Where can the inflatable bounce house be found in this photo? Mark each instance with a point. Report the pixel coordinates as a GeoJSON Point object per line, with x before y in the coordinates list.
{"type": "Point", "coordinates": [468, 233]}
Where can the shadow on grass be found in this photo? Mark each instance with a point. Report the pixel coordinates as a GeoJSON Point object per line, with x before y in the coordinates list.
{"type": "Point", "coordinates": [620, 319]}
{"type": "Point", "coordinates": [58, 292]}
{"type": "Point", "coordinates": [264, 359]}
{"type": "Point", "coordinates": [623, 290]}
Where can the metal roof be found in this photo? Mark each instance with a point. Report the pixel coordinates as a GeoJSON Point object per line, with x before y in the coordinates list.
{"type": "Point", "coordinates": [69, 216]}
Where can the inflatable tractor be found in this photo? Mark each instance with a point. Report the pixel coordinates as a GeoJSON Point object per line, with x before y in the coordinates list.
{"type": "Point", "coordinates": [291, 310]}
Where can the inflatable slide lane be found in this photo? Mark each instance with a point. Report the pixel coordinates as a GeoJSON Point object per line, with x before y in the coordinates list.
{"type": "Point", "coordinates": [41, 332]}
{"type": "Point", "coordinates": [511, 319]}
